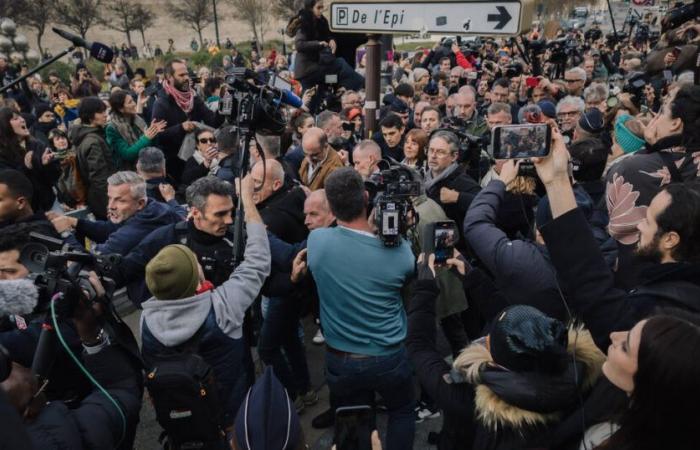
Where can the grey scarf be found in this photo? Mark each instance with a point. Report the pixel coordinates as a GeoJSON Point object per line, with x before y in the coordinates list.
{"type": "Point", "coordinates": [430, 181]}
{"type": "Point", "coordinates": [130, 130]}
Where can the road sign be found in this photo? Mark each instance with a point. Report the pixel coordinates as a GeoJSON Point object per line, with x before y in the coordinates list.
{"type": "Point", "coordinates": [507, 17]}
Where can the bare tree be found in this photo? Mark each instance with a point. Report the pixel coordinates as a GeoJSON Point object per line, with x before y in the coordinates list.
{"type": "Point", "coordinates": [38, 16]}
{"type": "Point", "coordinates": [254, 14]}
{"type": "Point", "coordinates": [195, 13]}
{"type": "Point", "coordinates": [145, 18]}
{"type": "Point", "coordinates": [120, 16]}
{"type": "Point", "coordinates": [79, 15]}
{"type": "Point", "coordinates": [12, 8]}
{"type": "Point", "coordinates": [285, 9]}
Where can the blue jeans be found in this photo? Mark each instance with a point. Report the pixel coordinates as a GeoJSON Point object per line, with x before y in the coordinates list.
{"type": "Point", "coordinates": [353, 381]}
{"type": "Point", "coordinates": [280, 330]}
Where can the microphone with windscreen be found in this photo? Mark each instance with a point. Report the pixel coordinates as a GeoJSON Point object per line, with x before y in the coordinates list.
{"type": "Point", "coordinates": [97, 50]}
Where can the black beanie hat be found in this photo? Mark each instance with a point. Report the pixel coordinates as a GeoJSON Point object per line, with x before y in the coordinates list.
{"type": "Point", "coordinates": [592, 121]}
{"type": "Point", "coordinates": [524, 339]}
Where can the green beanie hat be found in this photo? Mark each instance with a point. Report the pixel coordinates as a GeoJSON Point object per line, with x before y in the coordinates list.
{"type": "Point", "coordinates": [173, 273]}
{"type": "Point", "coordinates": [628, 141]}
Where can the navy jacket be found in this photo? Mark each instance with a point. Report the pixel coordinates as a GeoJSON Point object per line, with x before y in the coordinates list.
{"type": "Point", "coordinates": [123, 237]}
{"type": "Point", "coordinates": [520, 268]}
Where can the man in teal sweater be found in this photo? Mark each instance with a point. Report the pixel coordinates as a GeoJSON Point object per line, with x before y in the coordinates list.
{"type": "Point", "coordinates": [359, 282]}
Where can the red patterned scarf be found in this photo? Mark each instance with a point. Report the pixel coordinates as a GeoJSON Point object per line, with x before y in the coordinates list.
{"type": "Point", "coordinates": [185, 100]}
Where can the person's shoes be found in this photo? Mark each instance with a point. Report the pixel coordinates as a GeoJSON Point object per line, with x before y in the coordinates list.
{"type": "Point", "coordinates": [424, 412]}
{"type": "Point", "coordinates": [299, 404]}
{"type": "Point", "coordinates": [310, 398]}
{"type": "Point", "coordinates": [324, 420]}
{"type": "Point", "coordinates": [318, 338]}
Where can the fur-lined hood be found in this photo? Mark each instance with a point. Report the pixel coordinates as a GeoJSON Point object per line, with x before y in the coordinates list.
{"type": "Point", "coordinates": [506, 399]}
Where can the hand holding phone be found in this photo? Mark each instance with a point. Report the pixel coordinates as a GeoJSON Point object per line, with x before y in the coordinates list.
{"type": "Point", "coordinates": [521, 141]}
{"type": "Point", "coordinates": [354, 426]}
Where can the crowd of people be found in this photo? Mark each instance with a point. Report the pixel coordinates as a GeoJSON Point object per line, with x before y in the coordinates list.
{"type": "Point", "coordinates": [567, 317]}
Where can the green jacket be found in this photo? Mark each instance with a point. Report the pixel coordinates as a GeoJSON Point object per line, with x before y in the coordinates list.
{"type": "Point", "coordinates": [95, 163]}
{"type": "Point", "coordinates": [125, 155]}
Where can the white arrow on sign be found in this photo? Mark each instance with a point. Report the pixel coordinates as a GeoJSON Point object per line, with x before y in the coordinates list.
{"type": "Point", "coordinates": [471, 17]}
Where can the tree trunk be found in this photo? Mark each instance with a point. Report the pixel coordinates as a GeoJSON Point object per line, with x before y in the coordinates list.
{"type": "Point", "coordinates": [201, 41]}
{"type": "Point", "coordinates": [39, 35]}
{"type": "Point", "coordinates": [143, 36]}
{"type": "Point", "coordinates": [128, 37]}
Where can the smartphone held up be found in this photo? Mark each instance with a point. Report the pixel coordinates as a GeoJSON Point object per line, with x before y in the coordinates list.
{"type": "Point", "coordinates": [522, 141]}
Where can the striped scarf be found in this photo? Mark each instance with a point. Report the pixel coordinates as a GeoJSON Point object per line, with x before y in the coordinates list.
{"type": "Point", "coordinates": [185, 100]}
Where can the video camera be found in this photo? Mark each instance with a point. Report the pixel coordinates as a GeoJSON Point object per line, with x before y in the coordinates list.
{"type": "Point", "coordinates": [679, 15]}
{"type": "Point", "coordinates": [471, 149]}
{"type": "Point", "coordinates": [55, 269]}
{"type": "Point", "coordinates": [391, 193]}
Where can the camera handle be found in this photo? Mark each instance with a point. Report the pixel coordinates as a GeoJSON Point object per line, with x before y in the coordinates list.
{"type": "Point", "coordinates": [37, 69]}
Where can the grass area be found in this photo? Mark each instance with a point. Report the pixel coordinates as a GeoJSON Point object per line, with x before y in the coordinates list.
{"type": "Point", "coordinates": [413, 45]}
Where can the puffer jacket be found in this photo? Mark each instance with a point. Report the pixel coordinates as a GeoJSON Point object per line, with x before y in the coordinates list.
{"type": "Point", "coordinates": [309, 34]}
{"type": "Point", "coordinates": [95, 164]}
{"type": "Point", "coordinates": [485, 406]}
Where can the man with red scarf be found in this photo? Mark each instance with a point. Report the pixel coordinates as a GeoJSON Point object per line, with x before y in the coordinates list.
{"type": "Point", "coordinates": [180, 107]}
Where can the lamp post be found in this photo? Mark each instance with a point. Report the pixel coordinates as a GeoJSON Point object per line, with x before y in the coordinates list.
{"type": "Point", "coordinates": [216, 24]}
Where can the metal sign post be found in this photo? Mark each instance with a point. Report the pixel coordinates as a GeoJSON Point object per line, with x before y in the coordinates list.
{"type": "Point", "coordinates": [484, 18]}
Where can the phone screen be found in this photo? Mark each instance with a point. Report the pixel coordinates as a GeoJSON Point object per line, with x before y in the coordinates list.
{"type": "Point", "coordinates": [444, 239]}
{"type": "Point", "coordinates": [532, 82]}
{"type": "Point", "coordinates": [521, 141]}
{"type": "Point", "coordinates": [353, 427]}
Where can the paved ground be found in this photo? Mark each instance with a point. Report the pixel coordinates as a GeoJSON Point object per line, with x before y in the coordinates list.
{"type": "Point", "coordinates": [148, 430]}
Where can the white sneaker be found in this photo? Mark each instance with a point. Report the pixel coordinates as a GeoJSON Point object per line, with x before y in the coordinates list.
{"type": "Point", "coordinates": [318, 338]}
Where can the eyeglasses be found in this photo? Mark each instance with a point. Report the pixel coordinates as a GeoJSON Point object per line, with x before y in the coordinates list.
{"type": "Point", "coordinates": [567, 113]}
{"type": "Point", "coordinates": [207, 140]}
{"type": "Point", "coordinates": [439, 152]}
{"type": "Point", "coordinates": [572, 81]}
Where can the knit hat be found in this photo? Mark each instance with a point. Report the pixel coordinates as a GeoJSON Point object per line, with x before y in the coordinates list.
{"type": "Point", "coordinates": [267, 419]}
{"type": "Point", "coordinates": [548, 108]}
{"type": "Point", "coordinates": [625, 138]}
{"type": "Point", "coordinates": [525, 339]}
{"type": "Point", "coordinates": [583, 201]}
{"type": "Point", "coordinates": [173, 273]}
{"type": "Point", "coordinates": [419, 73]}
{"type": "Point", "coordinates": [354, 112]}
{"type": "Point", "coordinates": [592, 121]}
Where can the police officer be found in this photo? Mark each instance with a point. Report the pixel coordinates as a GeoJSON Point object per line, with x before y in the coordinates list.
{"type": "Point", "coordinates": [208, 233]}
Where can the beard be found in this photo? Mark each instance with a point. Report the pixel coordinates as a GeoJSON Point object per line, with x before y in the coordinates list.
{"type": "Point", "coordinates": [182, 86]}
{"type": "Point", "coordinates": [650, 252]}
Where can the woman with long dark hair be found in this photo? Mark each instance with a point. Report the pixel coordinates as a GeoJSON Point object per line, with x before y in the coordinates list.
{"type": "Point", "coordinates": [19, 151]}
{"type": "Point", "coordinates": [127, 133]}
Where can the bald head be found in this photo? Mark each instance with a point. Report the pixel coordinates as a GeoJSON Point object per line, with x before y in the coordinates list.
{"type": "Point", "coordinates": [313, 143]}
{"type": "Point", "coordinates": [317, 212]}
{"type": "Point", "coordinates": [465, 105]}
{"type": "Point", "coordinates": [365, 156]}
{"type": "Point", "coordinates": [269, 178]}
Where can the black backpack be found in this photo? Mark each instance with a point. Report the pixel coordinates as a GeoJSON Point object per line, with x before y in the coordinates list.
{"type": "Point", "coordinates": [184, 394]}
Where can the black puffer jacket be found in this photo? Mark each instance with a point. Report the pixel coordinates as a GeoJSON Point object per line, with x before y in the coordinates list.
{"type": "Point", "coordinates": [310, 33]}
{"type": "Point", "coordinates": [466, 186]}
{"type": "Point", "coordinates": [283, 214]}
{"type": "Point", "coordinates": [487, 407]}
{"type": "Point", "coordinates": [43, 177]}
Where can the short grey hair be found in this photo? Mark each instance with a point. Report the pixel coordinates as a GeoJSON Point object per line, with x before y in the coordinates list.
{"type": "Point", "coordinates": [448, 137]}
{"type": "Point", "coordinates": [579, 72]}
{"type": "Point", "coordinates": [368, 145]}
{"type": "Point", "coordinates": [270, 144]}
{"type": "Point", "coordinates": [325, 117]}
{"type": "Point", "coordinates": [596, 93]}
{"type": "Point", "coordinates": [137, 185]}
{"type": "Point", "coordinates": [570, 100]}
{"type": "Point", "coordinates": [499, 107]}
{"type": "Point", "coordinates": [151, 160]}
{"type": "Point", "coordinates": [198, 192]}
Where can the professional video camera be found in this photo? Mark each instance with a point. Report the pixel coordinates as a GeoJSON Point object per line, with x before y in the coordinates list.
{"type": "Point", "coordinates": [390, 193]}
{"type": "Point", "coordinates": [55, 269]}
{"type": "Point", "coordinates": [255, 105]}
{"type": "Point", "coordinates": [679, 15]}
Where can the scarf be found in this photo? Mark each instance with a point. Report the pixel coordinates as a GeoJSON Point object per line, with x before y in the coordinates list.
{"type": "Point", "coordinates": [185, 100]}
{"type": "Point", "coordinates": [129, 129]}
{"type": "Point", "coordinates": [430, 181]}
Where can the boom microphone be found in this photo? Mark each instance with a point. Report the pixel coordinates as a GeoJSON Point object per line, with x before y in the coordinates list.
{"type": "Point", "coordinates": [17, 297]}
{"type": "Point", "coordinates": [99, 51]}
{"type": "Point", "coordinates": [289, 98]}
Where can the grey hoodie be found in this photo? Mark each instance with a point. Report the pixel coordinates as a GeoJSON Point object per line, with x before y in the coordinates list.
{"type": "Point", "coordinates": [173, 322]}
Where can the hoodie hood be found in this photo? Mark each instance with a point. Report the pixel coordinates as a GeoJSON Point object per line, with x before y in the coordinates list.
{"type": "Point", "coordinates": [79, 132]}
{"type": "Point", "coordinates": [173, 322]}
{"type": "Point", "coordinates": [517, 400]}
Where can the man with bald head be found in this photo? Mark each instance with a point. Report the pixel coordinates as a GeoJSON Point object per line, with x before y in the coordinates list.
{"type": "Point", "coordinates": [465, 110]}
{"type": "Point", "coordinates": [281, 205]}
{"type": "Point", "coordinates": [320, 160]}
{"type": "Point", "coordinates": [317, 212]}
{"type": "Point", "coordinates": [365, 157]}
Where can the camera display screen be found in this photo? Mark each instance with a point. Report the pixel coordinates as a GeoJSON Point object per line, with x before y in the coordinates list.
{"type": "Point", "coordinates": [444, 240]}
{"type": "Point", "coordinates": [521, 141]}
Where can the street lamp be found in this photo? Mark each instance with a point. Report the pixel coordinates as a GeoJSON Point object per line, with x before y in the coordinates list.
{"type": "Point", "coordinates": [216, 24]}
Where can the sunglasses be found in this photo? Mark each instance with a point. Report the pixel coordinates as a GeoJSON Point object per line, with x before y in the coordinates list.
{"type": "Point", "coordinates": [207, 140]}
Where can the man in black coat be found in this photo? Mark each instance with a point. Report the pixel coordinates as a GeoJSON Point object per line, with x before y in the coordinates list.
{"type": "Point", "coordinates": [180, 107]}
{"type": "Point", "coordinates": [668, 238]}
{"type": "Point", "coordinates": [282, 210]}
{"type": "Point", "coordinates": [445, 181]}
